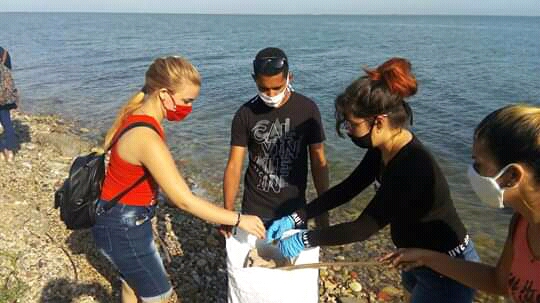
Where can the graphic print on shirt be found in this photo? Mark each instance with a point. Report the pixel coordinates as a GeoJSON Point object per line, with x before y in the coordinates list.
{"type": "Point", "coordinates": [279, 148]}
{"type": "Point", "coordinates": [523, 291]}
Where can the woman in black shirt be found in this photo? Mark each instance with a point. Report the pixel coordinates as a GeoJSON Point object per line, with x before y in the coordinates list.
{"type": "Point", "coordinates": [412, 194]}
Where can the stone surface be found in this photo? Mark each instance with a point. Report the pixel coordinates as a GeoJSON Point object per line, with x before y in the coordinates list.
{"type": "Point", "coordinates": [41, 261]}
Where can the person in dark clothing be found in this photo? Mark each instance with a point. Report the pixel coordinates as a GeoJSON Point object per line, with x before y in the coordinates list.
{"type": "Point", "coordinates": [9, 100]}
{"type": "Point", "coordinates": [280, 129]}
{"type": "Point", "coordinates": [505, 172]}
{"type": "Point", "coordinates": [412, 194]}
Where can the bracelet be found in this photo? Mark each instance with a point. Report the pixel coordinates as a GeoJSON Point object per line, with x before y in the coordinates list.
{"type": "Point", "coordinates": [305, 239]}
{"type": "Point", "coordinates": [237, 220]}
{"type": "Point", "coordinates": [297, 220]}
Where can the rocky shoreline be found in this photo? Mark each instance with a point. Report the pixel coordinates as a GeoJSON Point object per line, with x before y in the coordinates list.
{"type": "Point", "coordinates": [41, 261]}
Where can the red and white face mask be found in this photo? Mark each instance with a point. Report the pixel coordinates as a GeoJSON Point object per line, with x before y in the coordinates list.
{"type": "Point", "coordinates": [179, 113]}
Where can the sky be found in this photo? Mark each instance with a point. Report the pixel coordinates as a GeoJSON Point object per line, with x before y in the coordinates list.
{"type": "Point", "coordinates": [360, 7]}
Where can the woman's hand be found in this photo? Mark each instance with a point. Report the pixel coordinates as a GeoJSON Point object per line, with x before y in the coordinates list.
{"type": "Point", "coordinates": [409, 258]}
{"type": "Point", "coordinates": [278, 227]}
{"type": "Point", "coordinates": [253, 225]}
{"type": "Point", "coordinates": [292, 246]}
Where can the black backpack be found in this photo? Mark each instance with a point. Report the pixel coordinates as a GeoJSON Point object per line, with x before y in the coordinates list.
{"type": "Point", "coordinates": [78, 196]}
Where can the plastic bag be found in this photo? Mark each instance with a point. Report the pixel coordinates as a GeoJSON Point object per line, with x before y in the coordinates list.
{"type": "Point", "coordinates": [264, 285]}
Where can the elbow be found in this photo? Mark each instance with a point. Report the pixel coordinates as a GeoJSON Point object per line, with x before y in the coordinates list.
{"type": "Point", "coordinates": [231, 176]}
{"type": "Point", "coordinates": [232, 170]}
{"type": "Point", "coordinates": [182, 205]}
{"type": "Point", "coordinates": [319, 165]}
{"type": "Point", "coordinates": [183, 202]}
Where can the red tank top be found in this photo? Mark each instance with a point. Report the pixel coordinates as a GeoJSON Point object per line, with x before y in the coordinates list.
{"type": "Point", "coordinates": [121, 174]}
{"type": "Point", "coordinates": [524, 278]}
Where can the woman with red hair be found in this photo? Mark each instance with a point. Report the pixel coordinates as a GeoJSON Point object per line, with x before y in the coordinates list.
{"type": "Point", "coordinates": [411, 192]}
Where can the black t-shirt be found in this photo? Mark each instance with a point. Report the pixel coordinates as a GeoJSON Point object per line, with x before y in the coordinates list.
{"type": "Point", "coordinates": [277, 140]}
{"type": "Point", "coordinates": [412, 195]}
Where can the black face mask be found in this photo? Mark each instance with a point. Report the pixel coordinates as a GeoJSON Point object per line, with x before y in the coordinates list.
{"type": "Point", "coordinates": [364, 141]}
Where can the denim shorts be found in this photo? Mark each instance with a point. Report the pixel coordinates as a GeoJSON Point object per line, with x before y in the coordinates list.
{"type": "Point", "coordinates": [426, 285]}
{"type": "Point", "coordinates": [124, 236]}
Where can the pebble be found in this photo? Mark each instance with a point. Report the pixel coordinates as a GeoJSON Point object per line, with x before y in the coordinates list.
{"type": "Point", "coordinates": [351, 300]}
{"type": "Point", "coordinates": [355, 287]}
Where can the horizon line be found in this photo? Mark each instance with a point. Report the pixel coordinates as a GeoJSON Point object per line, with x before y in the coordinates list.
{"type": "Point", "coordinates": [268, 14]}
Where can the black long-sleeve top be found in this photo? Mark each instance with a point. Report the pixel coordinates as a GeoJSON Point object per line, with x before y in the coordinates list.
{"type": "Point", "coordinates": [412, 195]}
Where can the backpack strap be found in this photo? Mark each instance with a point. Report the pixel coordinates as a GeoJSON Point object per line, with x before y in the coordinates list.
{"type": "Point", "coordinates": [132, 125]}
{"type": "Point", "coordinates": [119, 196]}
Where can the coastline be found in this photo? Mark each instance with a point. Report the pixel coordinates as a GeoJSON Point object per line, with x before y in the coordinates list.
{"type": "Point", "coordinates": [42, 261]}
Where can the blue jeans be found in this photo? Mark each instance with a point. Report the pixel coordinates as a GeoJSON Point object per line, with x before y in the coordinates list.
{"type": "Point", "coordinates": [10, 140]}
{"type": "Point", "coordinates": [426, 285]}
{"type": "Point", "coordinates": [124, 236]}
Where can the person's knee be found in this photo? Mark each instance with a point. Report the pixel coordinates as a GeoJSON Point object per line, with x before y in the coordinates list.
{"type": "Point", "coordinates": [169, 297]}
{"type": "Point", "coordinates": [127, 288]}
{"type": "Point", "coordinates": [172, 298]}
{"type": "Point", "coordinates": [128, 294]}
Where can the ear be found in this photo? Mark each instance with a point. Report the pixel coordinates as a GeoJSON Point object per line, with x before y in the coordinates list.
{"type": "Point", "coordinates": [379, 122]}
{"type": "Point", "coordinates": [162, 94]}
{"type": "Point", "coordinates": [291, 77]}
{"type": "Point", "coordinates": [166, 99]}
{"type": "Point", "coordinates": [513, 176]}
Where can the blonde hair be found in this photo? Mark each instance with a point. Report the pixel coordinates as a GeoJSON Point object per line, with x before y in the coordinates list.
{"type": "Point", "coordinates": [167, 72]}
{"type": "Point", "coordinates": [512, 135]}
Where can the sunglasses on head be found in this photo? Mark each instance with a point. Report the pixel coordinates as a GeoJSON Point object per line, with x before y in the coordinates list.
{"type": "Point", "coordinates": [269, 65]}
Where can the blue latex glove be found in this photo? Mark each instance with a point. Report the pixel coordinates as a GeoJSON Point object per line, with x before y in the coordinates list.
{"type": "Point", "coordinates": [278, 227]}
{"type": "Point", "coordinates": [292, 246]}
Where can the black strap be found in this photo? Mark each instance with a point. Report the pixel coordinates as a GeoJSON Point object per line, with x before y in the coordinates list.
{"type": "Point", "coordinates": [409, 111]}
{"type": "Point", "coordinates": [119, 196]}
{"type": "Point", "coordinates": [132, 125]}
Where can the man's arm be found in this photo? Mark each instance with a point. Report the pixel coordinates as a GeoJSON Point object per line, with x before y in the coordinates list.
{"type": "Point", "coordinates": [232, 175]}
{"type": "Point", "coordinates": [321, 180]}
{"type": "Point", "coordinates": [231, 180]}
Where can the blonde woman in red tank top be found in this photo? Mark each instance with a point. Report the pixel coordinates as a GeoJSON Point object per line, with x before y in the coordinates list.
{"type": "Point", "coordinates": [123, 234]}
{"type": "Point", "coordinates": [505, 173]}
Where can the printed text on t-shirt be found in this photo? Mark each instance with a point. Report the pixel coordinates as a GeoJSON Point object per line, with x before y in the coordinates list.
{"type": "Point", "coordinates": [280, 147]}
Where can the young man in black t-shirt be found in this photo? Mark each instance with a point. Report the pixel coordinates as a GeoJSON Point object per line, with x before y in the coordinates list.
{"type": "Point", "coordinates": [277, 127]}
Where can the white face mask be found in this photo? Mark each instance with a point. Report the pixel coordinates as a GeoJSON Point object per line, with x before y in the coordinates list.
{"type": "Point", "coordinates": [274, 101]}
{"type": "Point", "coordinates": [487, 188]}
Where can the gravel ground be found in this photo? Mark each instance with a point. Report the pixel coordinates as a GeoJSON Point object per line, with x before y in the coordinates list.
{"type": "Point", "coordinates": [41, 261]}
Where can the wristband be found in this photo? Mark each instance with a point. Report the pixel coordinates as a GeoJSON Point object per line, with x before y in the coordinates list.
{"type": "Point", "coordinates": [297, 220]}
{"type": "Point", "coordinates": [305, 240]}
{"type": "Point", "coordinates": [237, 220]}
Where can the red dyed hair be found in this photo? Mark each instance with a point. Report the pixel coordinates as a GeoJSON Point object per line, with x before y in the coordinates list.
{"type": "Point", "coordinates": [397, 75]}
